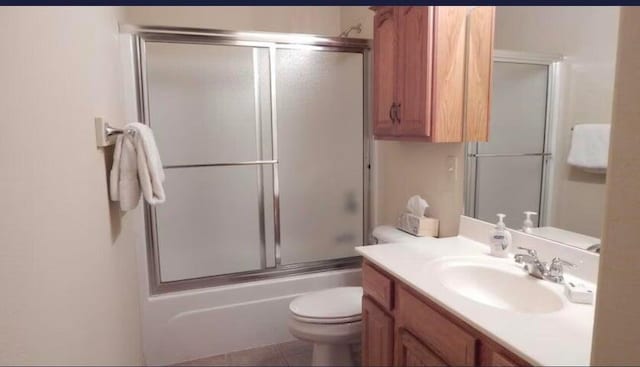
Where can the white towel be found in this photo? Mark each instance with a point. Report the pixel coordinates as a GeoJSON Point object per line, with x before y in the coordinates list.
{"type": "Point", "coordinates": [136, 168]}
{"type": "Point", "coordinates": [590, 147]}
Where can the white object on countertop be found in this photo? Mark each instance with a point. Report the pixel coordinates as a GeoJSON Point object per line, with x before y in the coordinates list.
{"type": "Point", "coordinates": [590, 147]}
{"type": "Point", "coordinates": [136, 167]}
{"type": "Point", "coordinates": [500, 238]}
{"type": "Point", "coordinates": [578, 293]}
{"type": "Point", "coordinates": [417, 206]}
{"type": "Point", "coordinates": [389, 234]}
{"type": "Point", "coordinates": [527, 225]}
{"type": "Point", "coordinates": [419, 226]}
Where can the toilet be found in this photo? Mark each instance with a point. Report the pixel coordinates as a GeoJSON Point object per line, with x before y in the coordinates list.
{"type": "Point", "coordinates": [331, 319]}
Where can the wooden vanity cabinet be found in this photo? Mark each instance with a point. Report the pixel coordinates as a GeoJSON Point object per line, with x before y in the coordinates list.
{"type": "Point", "coordinates": [402, 328]}
{"type": "Point", "coordinates": [432, 72]}
{"type": "Point", "coordinates": [377, 334]}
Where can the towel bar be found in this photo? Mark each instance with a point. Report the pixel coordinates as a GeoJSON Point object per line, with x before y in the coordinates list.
{"type": "Point", "coordinates": [105, 133]}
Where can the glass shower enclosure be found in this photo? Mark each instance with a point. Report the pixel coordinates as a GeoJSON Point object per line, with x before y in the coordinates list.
{"type": "Point", "coordinates": [264, 140]}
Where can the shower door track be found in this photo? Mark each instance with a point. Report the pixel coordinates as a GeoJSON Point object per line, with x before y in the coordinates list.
{"type": "Point", "coordinates": [271, 41]}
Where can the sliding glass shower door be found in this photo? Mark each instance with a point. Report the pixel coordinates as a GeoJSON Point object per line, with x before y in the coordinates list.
{"type": "Point", "coordinates": [320, 145]}
{"type": "Point", "coordinates": [264, 147]}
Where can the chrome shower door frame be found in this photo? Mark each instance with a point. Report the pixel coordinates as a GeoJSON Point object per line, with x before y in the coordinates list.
{"type": "Point", "coordinates": [551, 118]}
{"type": "Point", "coordinates": [140, 35]}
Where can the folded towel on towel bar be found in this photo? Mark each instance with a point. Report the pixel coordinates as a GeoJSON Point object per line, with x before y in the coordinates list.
{"type": "Point", "coordinates": [136, 168]}
{"type": "Point", "coordinates": [590, 147]}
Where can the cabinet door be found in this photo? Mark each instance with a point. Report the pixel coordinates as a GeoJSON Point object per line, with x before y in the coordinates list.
{"type": "Point", "coordinates": [448, 73]}
{"type": "Point", "coordinates": [377, 335]}
{"type": "Point", "coordinates": [384, 70]}
{"type": "Point", "coordinates": [498, 357]}
{"type": "Point", "coordinates": [411, 352]}
{"type": "Point", "coordinates": [414, 70]}
{"type": "Point", "coordinates": [479, 71]}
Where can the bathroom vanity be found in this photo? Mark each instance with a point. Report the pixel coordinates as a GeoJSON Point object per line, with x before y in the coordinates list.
{"type": "Point", "coordinates": [404, 328]}
{"type": "Point", "coordinates": [445, 301]}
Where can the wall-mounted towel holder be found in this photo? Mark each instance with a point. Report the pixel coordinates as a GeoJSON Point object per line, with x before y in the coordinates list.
{"type": "Point", "coordinates": [105, 133]}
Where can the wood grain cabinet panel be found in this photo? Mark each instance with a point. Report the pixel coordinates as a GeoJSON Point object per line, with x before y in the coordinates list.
{"type": "Point", "coordinates": [411, 352]}
{"type": "Point", "coordinates": [448, 73]}
{"type": "Point", "coordinates": [413, 83]}
{"type": "Point", "coordinates": [377, 335]}
{"type": "Point", "coordinates": [377, 285]}
{"type": "Point", "coordinates": [421, 56]}
{"type": "Point", "coordinates": [491, 358]}
{"type": "Point", "coordinates": [449, 341]}
{"type": "Point", "coordinates": [413, 331]}
{"type": "Point", "coordinates": [479, 72]}
{"type": "Point", "coordinates": [384, 69]}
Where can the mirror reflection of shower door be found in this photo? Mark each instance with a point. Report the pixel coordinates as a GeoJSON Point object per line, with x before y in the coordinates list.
{"type": "Point", "coordinates": [509, 170]}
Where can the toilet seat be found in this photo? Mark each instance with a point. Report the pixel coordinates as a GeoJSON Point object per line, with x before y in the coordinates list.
{"type": "Point", "coordinates": [331, 306]}
{"type": "Point", "coordinates": [339, 320]}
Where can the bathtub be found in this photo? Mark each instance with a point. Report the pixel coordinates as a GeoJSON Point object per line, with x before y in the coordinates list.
{"type": "Point", "coordinates": [192, 324]}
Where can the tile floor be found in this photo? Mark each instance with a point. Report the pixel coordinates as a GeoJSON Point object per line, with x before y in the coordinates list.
{"type": "Point", "coordinates": [295, 353]}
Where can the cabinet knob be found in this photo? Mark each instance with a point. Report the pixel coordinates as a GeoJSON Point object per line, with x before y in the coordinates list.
{"type": "Point", "coordinates": [397, 114]}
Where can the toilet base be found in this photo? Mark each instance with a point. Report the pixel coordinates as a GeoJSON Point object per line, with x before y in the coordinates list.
{"type": "Point", "coordinates": [332, 355]}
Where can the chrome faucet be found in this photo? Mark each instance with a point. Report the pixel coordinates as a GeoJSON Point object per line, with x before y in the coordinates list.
{"type": "Point", "coordinates": [539, 269]}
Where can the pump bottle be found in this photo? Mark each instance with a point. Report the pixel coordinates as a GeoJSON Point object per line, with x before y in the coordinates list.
{"type": "Point", "coordinates": [500, 238]}
{"type": "Point", "coordinates": [527, 225]}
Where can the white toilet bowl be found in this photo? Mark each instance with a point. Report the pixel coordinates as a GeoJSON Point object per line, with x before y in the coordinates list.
{"type": "Point", "coordinates": [331, 320]}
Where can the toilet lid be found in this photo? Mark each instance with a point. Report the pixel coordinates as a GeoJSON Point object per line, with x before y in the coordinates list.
{"type": "Point", "coordinates": [343, 303]}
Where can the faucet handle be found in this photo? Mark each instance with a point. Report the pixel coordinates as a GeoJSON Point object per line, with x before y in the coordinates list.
{"type": "Point", "coordinates": [530, 251]}
{"type": "Point", "coordinates": [555, 273]}
{"type": "Point", "coordinates": [558, 262]}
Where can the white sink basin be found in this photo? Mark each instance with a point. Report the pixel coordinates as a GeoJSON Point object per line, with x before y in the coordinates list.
{"type": "Point", "coordinates": [497, 283]}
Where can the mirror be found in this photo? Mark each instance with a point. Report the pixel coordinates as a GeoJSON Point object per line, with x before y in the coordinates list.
{"type": "Point", "coordinates": [541, 103]}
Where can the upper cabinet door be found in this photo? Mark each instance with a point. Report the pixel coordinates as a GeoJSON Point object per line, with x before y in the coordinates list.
{"type": "Point", "coordinates": [414, 71]}
{"type": "Point", "coordinates": [432, 73]}
{"type": "Point", "coordinates": [448, 73]}
{"type": "Point", "coordinates": [479, 72]}
{"type": "Point", "coordinates": [384, 68]}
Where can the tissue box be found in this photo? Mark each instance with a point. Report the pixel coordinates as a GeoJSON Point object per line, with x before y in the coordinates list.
{"type": "Point", "coordinates": [418, 226]}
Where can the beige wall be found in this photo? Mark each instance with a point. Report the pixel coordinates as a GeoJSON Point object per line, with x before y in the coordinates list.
{"type": "Point", "coordinates": [402, 169]}
{"type": "Point", "coordinates": [323, 20]}
{"type": "Point", "coordinates": [617, 326]}
{"type": "Point", "coordinates": [67, 263]}
{"type": "Point", "coordinates": [587, 37]}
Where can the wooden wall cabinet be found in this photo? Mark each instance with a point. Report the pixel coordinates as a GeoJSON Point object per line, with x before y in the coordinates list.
{"type": "Point", "coordinates": [410, 330]}
{"type": "Point", "coordinates": [432, 72]}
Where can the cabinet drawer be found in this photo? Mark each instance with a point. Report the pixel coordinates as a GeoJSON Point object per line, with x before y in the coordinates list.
{"type": "Point", "coordinates": [449, 341]}
{"type": "Point", "coordinates": [377, 285]}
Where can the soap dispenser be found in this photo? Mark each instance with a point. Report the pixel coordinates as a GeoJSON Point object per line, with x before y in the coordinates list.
{"type": "Point", "coordinates": [527, 225]}
{"type": "Point", "coordinates": [500, 238]}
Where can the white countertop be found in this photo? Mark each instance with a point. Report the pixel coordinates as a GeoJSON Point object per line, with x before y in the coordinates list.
{"type": "Point", "coordinates": [553, 339]}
